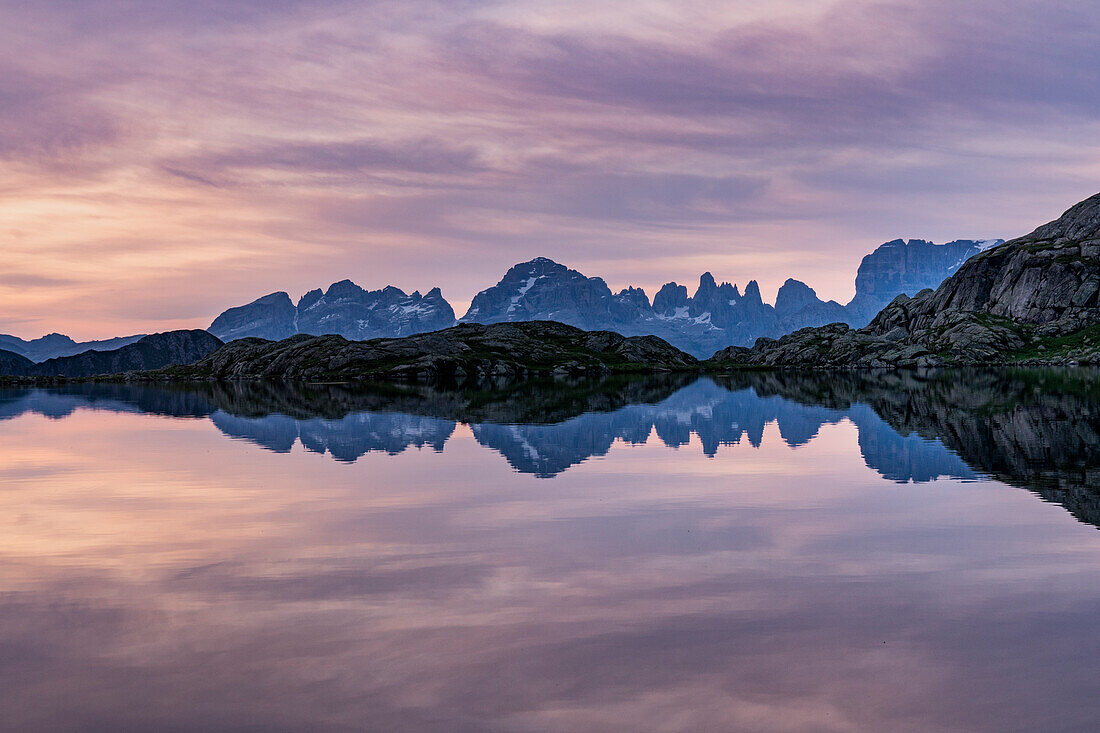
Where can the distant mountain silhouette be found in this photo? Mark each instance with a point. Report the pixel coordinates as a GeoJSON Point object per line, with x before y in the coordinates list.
{"type": "Point", "coordinates": [54, 345]}
{"type": "Point", "coordinates": [1034, 300]}
{"type": "Point", "coordinates": [149, 352]}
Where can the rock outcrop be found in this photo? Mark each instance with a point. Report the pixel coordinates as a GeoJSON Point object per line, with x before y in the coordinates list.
{"type": "Point", "coordinates": [464, 352]}
{"type": "Point", "coordinates": [1031, 300]}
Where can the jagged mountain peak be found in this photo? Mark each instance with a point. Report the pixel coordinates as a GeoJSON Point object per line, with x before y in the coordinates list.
{"type": "Point", "coordinates": [542, 289]}
{"type": "Point", "coordinates": [344, 308]}
{"type": "Point", "coordinates": [344, 289]}
{"type": "Point", "coordinates": [310, 298]}
{"type": "Point", "coordinates": [670, 297]}
{"type": "Point", "coordinates": [538, 265]}
{"type": "Point", "coordinates": [793, 296]}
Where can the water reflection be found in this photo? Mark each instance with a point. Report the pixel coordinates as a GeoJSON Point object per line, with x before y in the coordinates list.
{"type": "Point", "coordinates": [1039, 428]}
{"type": "Point", "coordinates": [740, 558]}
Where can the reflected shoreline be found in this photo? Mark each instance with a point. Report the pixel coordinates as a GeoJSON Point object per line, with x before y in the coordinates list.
{"type": "Point", "coordinates": [1037, 429]}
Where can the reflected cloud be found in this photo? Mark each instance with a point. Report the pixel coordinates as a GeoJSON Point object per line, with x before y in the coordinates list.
{"type": "Point", "coordinates": [789, 584]}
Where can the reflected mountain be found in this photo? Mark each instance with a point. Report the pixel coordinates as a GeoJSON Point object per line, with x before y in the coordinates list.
{"type": "Point", "coordinates": [1037, 429]}
{"type": "Point", "coordinates": [346, 439]}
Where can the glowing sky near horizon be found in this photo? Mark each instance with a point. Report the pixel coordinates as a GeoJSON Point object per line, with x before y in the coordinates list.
{"type": "Point", "coordinates": [160, 162]}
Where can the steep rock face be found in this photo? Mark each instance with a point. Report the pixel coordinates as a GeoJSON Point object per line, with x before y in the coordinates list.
{"type": "Point", "coordinates": [797, 306]}
{"type": "Point", "coordinates": [271, 317]}
{"type": "Point", "coordinates": [899, 267]}
{"type": "Point", "coordinates": [344, 309]}
{"type": "Point", "coordinates": [465, 351]}
{"type": "Point", "coordinates": [1039, 292]}
{"type": "Point", "coordinates": [669, 299]}
{"type": "Point", "coordinates": [56, 344]}
{"type": "Point", "coordinates": [793, 296]}
{"type": "Point", "coordinates": [14, 365]}
{"type": "Point", "coordinates": [350, 311]}
{"type": "Point", "coordinates": [151, 352]}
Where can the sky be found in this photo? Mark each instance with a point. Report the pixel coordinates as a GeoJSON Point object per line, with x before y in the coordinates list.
{"type": "Point", "coordinates": [162, 161]}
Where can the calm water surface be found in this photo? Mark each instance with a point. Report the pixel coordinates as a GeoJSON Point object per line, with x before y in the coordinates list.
{"type": "Point", "coordinates": [893, 552]}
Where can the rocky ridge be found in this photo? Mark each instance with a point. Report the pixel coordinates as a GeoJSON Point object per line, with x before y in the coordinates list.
{"type": "Point", "coordinates": [513, 350]}
{"type": "Point", "coordinates": [54, 345]}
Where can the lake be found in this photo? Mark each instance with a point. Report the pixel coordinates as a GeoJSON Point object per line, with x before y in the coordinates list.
{"type": "Point", "coordinates": [766, 552]}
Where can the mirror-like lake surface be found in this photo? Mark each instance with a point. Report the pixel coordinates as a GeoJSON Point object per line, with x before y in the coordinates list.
{"type": "Point", "coordinates": [903, 552]}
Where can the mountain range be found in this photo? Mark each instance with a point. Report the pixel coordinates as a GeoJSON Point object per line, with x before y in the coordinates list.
{"type": "Point", "coordinates": [345, 309]}
{"type": "Point", "coordinates": [155, 351]}
{"type": "Point", "coordinates": [54, 345]}
{"type": "Point", "coordinates": [715, 316]}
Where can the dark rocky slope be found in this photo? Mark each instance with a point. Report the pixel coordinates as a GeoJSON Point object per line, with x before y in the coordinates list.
{"type": "Point", "coordinates": [462, 352]}
{"type": "Point", "coordinates": [14, 364]}
{"type": "Point", "coordinates": [1031, 300]}
{"type": "Point", "coordinates": [150, 352]}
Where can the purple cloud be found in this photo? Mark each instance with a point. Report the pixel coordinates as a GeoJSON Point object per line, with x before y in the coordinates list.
{"type": "Point", "coordinates": [431, 143]}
